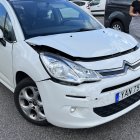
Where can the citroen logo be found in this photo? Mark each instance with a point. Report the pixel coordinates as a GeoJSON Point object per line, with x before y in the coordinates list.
{"type": "Point", "coordinates": [132, 66]}
{"type": "Point", "coordinates": [127, 64]}
{"type": "Point", "coordinates": [120, 70]}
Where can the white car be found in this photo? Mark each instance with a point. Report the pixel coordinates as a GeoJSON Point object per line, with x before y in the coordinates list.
{"type": "Point", "coordinates": [97, 7]}
{"type": "Point", "coordinates": [66, 69]}
{"type": "Point", "coordinates": [85, 5]}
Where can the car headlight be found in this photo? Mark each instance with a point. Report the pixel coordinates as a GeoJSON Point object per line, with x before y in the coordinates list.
{"type": "Point", "coordinates": [67, 71]}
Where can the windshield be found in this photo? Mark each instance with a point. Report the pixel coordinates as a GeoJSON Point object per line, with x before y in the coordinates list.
{"type": "Point", "coordinates": [47, 17]}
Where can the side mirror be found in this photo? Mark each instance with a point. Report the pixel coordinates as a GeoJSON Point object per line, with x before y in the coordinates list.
{"type": "Point", "coordinates": [1, 34]}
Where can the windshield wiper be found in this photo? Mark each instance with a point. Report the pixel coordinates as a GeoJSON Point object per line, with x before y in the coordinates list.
{"type": "Point", "coordinates": [84, 29]}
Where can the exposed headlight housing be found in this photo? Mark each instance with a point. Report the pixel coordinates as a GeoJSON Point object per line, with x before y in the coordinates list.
{"type": "Point", "coordinates": [67, 71]}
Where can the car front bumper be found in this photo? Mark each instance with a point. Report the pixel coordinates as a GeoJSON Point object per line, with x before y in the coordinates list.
{"type": "Point", "coordinates": [73, 106]}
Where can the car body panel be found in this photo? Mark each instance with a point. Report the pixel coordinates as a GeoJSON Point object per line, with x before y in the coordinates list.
{"type": "Point", "coordinates": [97, 7]}
{"type": "Point", "coordinates": [25, 62]}
{"type": "Point", "coordinates": [6, 63]}
{"type": "Point", "coordinates": [57, 106]}
{"type": "Point", "coordinates": [9, 55]}
{"type": "Point", "coordinates": [75, 45]}
{"type": "Point", "coordinates": [6, 58]}
{"type": "Point", "coordinates": [83, 117]}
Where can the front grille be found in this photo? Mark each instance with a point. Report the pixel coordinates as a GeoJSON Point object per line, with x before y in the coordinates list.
{"type": "Point", "coordinates": [119, 71]}
{"type": "Point", "coordinates": [120, 86]}
{"type": "Point", "coordinates": [106, 111]}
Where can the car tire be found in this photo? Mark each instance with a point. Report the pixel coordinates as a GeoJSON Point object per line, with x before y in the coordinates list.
{"type": "Point", "coordinates": [28, 102]}
{"type": "Point", "coordinates": [117, 25]}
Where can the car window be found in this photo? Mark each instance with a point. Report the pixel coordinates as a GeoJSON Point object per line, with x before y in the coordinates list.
{"type": "Point", "coordinates": [82, 3]}
{"type": "Point", "coordinates": [95, 2]}
{"type": "Point", "coordinates": [69, 13]}
{"type": "Point", "coordinates": [77, 2]}
{"type": "Point", "coordinates": [8, 30]}
{"type": "Point", "coordinates": [2, 16]}
{"type": "Point", "coordinates": [43, 17]}
{"type": "Point", "coordinates": [6, 25]}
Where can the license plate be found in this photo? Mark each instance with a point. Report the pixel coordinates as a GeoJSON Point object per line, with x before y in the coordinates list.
{"type": "Point", "coordinates": [126, 93]}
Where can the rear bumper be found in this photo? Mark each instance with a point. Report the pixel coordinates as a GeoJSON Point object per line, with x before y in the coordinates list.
{"type": "Point", "coordinates": [77, 109]}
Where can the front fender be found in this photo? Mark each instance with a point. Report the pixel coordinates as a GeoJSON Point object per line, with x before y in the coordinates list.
{"type": "Point", "coordinates": [26, 59]}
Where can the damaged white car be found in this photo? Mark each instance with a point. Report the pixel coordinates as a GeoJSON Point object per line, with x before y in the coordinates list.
{"type": "Point", "coordinates": [64, 67]}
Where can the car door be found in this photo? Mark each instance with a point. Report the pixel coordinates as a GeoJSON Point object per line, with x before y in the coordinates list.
{"type": "Point", "coordinates": [97, 6]}
{"type": "Point", "coordinates": [6, 45]}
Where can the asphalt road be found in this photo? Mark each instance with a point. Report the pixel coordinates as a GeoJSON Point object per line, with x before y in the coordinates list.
{"type": "Point", "coordinates": [100, 18]}
{"type": "Point", "coordinates": [14, 127]}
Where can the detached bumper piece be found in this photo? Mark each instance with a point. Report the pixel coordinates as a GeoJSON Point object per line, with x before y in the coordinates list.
{"type": "Point", "coordinates": [109, 110]}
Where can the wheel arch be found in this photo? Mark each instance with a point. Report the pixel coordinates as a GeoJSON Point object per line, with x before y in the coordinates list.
{"type": "Point", "coordinates": [20, 75]}
{"type": "Point", "coordinates": [117, 16]}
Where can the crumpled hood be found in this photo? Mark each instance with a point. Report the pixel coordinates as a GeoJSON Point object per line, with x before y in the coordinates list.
{"type": "Point", "coordinates": [87, 44]}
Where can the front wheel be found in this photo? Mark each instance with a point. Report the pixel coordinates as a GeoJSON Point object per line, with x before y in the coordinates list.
{"type": "Point", "coordinates": [28, 102]}
{"type": "Point", "coordinates": [117, 25]}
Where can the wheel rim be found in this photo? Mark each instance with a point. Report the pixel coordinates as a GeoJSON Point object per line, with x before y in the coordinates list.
{"type": "Point", "coordinates": [31, 104]}
{"type": "Point", "coordinates": [117, 27]}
